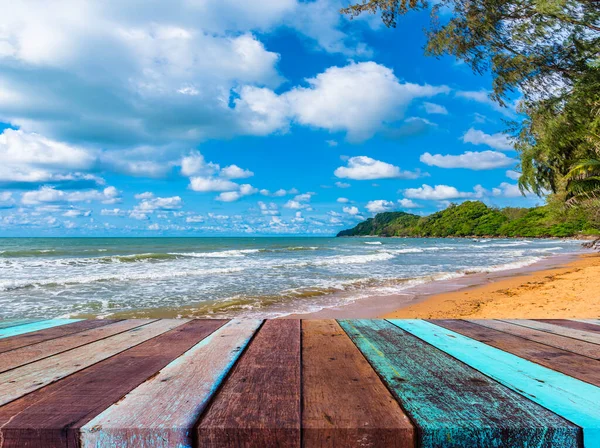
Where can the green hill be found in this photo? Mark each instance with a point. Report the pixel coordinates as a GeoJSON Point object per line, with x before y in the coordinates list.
{"type": "Point", "coordinates": [475, 219]}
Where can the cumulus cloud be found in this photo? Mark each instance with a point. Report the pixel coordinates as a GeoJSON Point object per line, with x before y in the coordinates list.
{"type": "Point", "coordinates": [206, 184]}
{"type": "Point", "coordinates": [358, 99]}
{"type": "Point", "coordinates": [342, 185]}
{"type": "Point", "coordinates": [268, 209]}
{"type": "Point", "coordinates": [485, 160]}
{"type": "Point", "coordinates": [45, 195]}
{"type": "Point", "coordinates": [508, 190]}
{"type": "Point", "coordinates": [366, 168]}
{"type": "Point", "coordinates": [408, 203]}
{"type": "Point", "coordinates": [513, 175]}
{"type": "Point", "coordinates": [441, 192]}
{"type": "Point", "coordinates": [32, 158]}
{"type": "Point", "coordinates": [497, 141]}
{"type": "Point", "coordinates": [343, 200]}
{"type": "Point", "coordinates": [483, 97]}
{"type": "Point", "coordinates": [6, 199]}
{"type": "Point", "coordinates": [352, 210]}
{"type": "Point", "coordinates": [231, 196]}
{"type": "Point", "coordinates": [432, 108]}
{"type": "Point", "coordinates": [379, 206]}
{"type": "Point", "coordinates": [235, 172]}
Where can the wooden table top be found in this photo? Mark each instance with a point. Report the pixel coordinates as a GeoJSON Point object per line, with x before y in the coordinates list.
{"type": "Point", "coordinates": [291, 383]}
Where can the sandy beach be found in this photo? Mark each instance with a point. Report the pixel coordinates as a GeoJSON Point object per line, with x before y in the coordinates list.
{"type": "Point", "coordinates": [568, 291]}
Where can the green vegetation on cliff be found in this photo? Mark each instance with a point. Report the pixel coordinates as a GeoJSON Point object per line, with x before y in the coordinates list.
{"type": "Point", "coordinates": [474, 218]}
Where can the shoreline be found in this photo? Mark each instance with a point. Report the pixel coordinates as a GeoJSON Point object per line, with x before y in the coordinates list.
{"type": "Point", "coordinates": [511, 293]}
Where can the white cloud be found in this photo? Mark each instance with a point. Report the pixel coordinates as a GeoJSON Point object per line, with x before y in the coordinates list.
{"type": "Point", "coordinates": [46, 194]}
{"type": "Point", "coordinates": [331, 143]}
{"type": "Point", "coordinates": [513, 175]}
{"type": "Point", "coordinates": [29, 157]}
{"type": "Point", "coordinates": [194, 219]}
{"type": "Point", "coordinates": [343, 200]}
{"type": "Point", "coordinates": [359, 99]}
{"type": "Point", "coordinates": [407, 203]}
{"type": "Point", "coordinates": [145, 195]}
{"type": "Point", "coordinates": [73, 213]}
{"type": "Point", "coordinates": [351, 210]}
{"type": "Point", "coordinates": [194, 164]}
{"type": "Point", "coordinates": [231, 196]}
{"type": "Point", "coordinates": [508, 190]}
{"type": "Point", "coordinates": [268, 209]}
{"type": "Point", "coordinates": [112, 212]}
{"type": "Point", "coordinates": [483, 97]}
{"type": "Point", "coordinates": [441, 192]}
{"type": "Point", "coordinates": [205, 184]}
{"type": "Point", "coordinates": [235, 172]}
{"type": "Point", "coordinates": [432, 108]}
{"type": "Point", "coordinates": [497, 141]}
{"type": "Point", "coordinates": [150, 205]}
{"type": "Point", "coordinates": [379, 206]}
{"type": "Point", "coordinates": [6, 199]}
{"type": "Point", "coordinates": [485, 160]}
{"type": "Point", "coordinates": [366, 168]}
{"type": "Point", "coordinates": [342, 185]}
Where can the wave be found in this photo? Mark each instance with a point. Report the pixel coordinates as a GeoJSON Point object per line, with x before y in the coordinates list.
{"type": "Point", "coordinates": [373, 242]}
{"type": "Point", "coordinates": [236, 253]}
{"type": "Point", "coordinates": [504, 267]}
{"type": "Point", "coordinates": [29, 252]}
{"type": "Point", "coordinates": [11, 285]}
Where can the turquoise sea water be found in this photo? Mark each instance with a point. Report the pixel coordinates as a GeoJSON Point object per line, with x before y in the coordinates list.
{"type": "Point", "coordinates": [266, 277]}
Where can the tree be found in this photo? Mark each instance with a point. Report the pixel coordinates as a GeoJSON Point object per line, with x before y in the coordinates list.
{"type": "Point", "coordinates": [539, 48]}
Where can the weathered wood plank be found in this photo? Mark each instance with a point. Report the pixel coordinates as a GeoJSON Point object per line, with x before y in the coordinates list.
{"type": "Point", "coordinates": [267, 376]}
{"type": "Point", "coordinates": [345, 404]}
{"type": "Point", "coordinates": [30, 353]}
{"type": "Point", "coordinates": [22, 380]}
{"type": "Point", "coordinates": [557, 329]}
{"type": "Point", "coordinates": [588, 321]}
{"type": "Point", "coordinates": [452, 404]}
{"type": "Point", "coordinates": [565, 343]}
{"type": "Point", "coordinates": [34, 326]}
{"type": "Point", "coordinates": [571, 364]}
{"type": "Point", "coordinates": [52, 416]}
{"type": "Point", "coordinates": [163, 411]}
{"type": "Point", "coordinates": [575, 400]}
{"type": "Point", "coordinates": [6, 323]}
{"type": "Point", "coordinates": [36, 337]}
{"type": "Point", "coordinates": [583, 326]}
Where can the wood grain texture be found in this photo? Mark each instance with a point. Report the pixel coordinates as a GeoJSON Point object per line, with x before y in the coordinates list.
{"type": "Point", "coordinates": [34, 326]}
{"type": "Point", "coordinates": [589, 321]}
{"type": "Point", "coordinates": [22, 380]}
{"type": "Point", "coordinates": [583, 326]}
{"type": "Point", "coordinates": [52, 416]}
{"type": "Point", "coordinates": [572, 345]}
{"type": "Point", "coordinates": [590, 337]}
{"type": "Point", "coordinates": [162, 411]}
{"type": "Point", "coordinates": [452, 404]}
{"type": "Point", "coordinates": [575, 400]}
{"type": "Point", "coordinates": [30, 353]}
{"type": "Point", "coordinates": [36, 337]}
{"type": "Point", "coordinates": [345, 404]}
{"type": "Point", "coordinates": [6, 323]}
{"type": "Point", "coordinates": [577, 366]}
{"type": "Point", "coordinates": [259, 403]}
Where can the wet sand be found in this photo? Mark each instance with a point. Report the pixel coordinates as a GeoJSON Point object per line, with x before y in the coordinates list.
{"type": "Point", "coordinates": [561, 286]}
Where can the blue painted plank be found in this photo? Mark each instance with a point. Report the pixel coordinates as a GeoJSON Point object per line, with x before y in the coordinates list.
{"type": "Point", "coordinates": [6, 323]}
{"type": "Point", "coordinates": [452, 404]}
{"type": "Point", "coordinates": [34, 326]}
{"type": "Point", "coordinates": [575, 400]}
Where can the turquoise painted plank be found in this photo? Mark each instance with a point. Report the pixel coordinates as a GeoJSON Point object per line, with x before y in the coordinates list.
{"type": "Point", "coordinates": [452, 404]}
{"type": "Point", "coordinates": [34, 326]}
{"type": "Point", "coordinates": [575, 400]}
{"type": "Point", "coordinates": [6, 323]}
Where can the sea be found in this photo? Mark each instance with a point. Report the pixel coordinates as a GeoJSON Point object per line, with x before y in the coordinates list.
{"type": "Point", "coordinates": [236, 277]}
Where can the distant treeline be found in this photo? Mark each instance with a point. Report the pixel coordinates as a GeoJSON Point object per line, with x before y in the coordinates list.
{"type": "Point", "coordinates": [474, 218]}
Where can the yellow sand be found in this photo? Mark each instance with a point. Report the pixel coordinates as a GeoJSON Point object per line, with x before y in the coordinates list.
{"type": "Point", "coordinates": [572, 291]}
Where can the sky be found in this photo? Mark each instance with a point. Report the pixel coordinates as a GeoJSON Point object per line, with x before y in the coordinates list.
{"type": "Point", "coordinates": [229, 118]}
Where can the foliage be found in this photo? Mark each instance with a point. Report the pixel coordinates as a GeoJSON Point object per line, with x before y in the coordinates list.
{"type": "Point", "coordinates": [475, 219]}
{"type": "Point", "coordinates": [532, 46]}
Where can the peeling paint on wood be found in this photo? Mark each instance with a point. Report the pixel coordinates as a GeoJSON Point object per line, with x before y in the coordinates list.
{"type": "Point", "coordinates": [452, 404]}
{"type": "Point", "coordinates": [568, 397]}
{"type": "Point", "coordinates": [163, 411]}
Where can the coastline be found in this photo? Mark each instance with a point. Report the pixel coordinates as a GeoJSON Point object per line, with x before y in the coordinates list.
{"type": "Point", "coordinates": [561, 285]}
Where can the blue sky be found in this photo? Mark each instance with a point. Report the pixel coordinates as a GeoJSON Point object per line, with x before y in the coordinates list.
{"type": "Point", "coordinates": [231, 118]}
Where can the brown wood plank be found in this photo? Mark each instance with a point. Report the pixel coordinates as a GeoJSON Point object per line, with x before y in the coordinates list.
{"type": "Point", "coordinates": [36, 337]}
{"type": "Point", "coordinates": [575, 325]}
{"type": "Point", "coordinates": [30, 353]}
{"type": "Point", "coordinates": [576, 366]}
{"type": "Point", "coordinates": [587, 336]}
{"type": "Point", "coordinates": [345, 404]}
{"type": "Point", "coordinates": [569, 344]}
{"type": "Point", "coordinates": [259, 403]}
{"type": "Point", "coordinates": [51, 416]}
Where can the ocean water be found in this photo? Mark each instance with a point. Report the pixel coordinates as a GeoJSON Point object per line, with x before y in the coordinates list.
{"type": "Point", "coordinates": [225, 277]}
